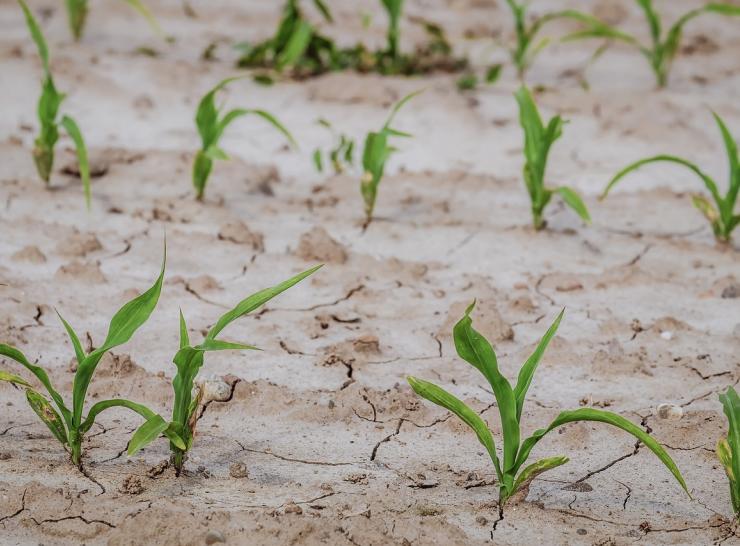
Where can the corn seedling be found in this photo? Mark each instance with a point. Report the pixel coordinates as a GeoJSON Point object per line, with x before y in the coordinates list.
{"type": "Point", "coordinates": [69, 426]}
{"type": "Point", "coordinates": [48, 113]}
{"type": "Point", "coordinates": [296, 45]}
{"type": "Point", "coordinates": [527, 44]}
{"type": "Point", "coordinates": [189, 360]}
{"type": "Point", "coordinates": [512, 477]}
{"type": "Point", "coordinates": [341, 155]}
{"type": "Point", "coordinates": [77, 15]}
{"type": "Point", "coordinates": [538, 139]}
{"type": "Point", "coordinates": [721, 214]}
{"type": "Point", "coordinates": [663, 48]}
{"type": "Point", "coordinates": [211, 127]}
{"type": "Point", "coordinates": [375, 154]}
{"type": "Point", "coordinates": [728, 448]}
{"type": "Point", "coordinates": [470, 80]}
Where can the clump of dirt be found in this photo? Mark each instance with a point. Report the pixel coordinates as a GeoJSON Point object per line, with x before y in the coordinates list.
{"type": "Point", "coordinates": [317, 245]}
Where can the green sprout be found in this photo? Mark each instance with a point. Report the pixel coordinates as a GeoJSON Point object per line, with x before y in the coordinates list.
{"type": "Point", "coordinates": [68, 425]}
{"type": "Point", "coordinates": [728, 448]}
{"type": "Point", "coordinates": [48, 112]}
{"type": "Point", "coordinates": [721, 214]}
{"type": "Point", "coordinates": [393, 36]}
{"type": "Point", "coordinates": [528, 46]}
{"type": "Point", "coordinates": [512, 475]}
{"type": "Point", "coordinates": [341, 155]}
{"type": "Point", "coordinates": [77, 16]}
{"type": "Point", "coordinates": [375, 154]}
{"type": "Point", "coordinates": [189, 360]}
{"type": "Point", "coordinates": [211, 127]}
{"type": "Point", "coordinates": [663, 48]}
{"type": "Point", "coordinates": [538, 139]}
{"type": "Point", "coordinates": [296, 45]}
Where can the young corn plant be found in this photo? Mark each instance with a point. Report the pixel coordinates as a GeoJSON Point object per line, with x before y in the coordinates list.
{"type": "Point", "coordinates": [513, 476]}
{"type": "Point", "coordinates": [211, 126]}
{"type": "Point", "coordinates": [296, 45]}
{"type": "Point", "coordinates": [69, 425]}
{"type": "Point", "coordinates": [48, 114]}
{"type": "Point", "coordinates": [728, 448]}
{"type": "Point", "coordinates": [528, 46]}
{"type": "Point", "coordinates": [77, 15]}
{"type": "Point", "coordinates": [538, 139]}
{"type": "Point", "coordinates": [341, 155]}
{"type": "Point", "coordinates": [189, 360]}
{"type": "Point", "coordinates": [375, 154]}
{"type": "Point", "coordinates": [721, 214]}
{"type": "Point", "coordinates": [663, 47]}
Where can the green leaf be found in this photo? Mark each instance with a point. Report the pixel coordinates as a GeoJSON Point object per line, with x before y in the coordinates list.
{"type": "Point", "coordinates": [324, 9]}
{"type": "Point", "coordinates": [296, 46]}
{"type": "Point", "coordinates": [47, 414]}
{"type": "Point", "coordinates": [144, 12]}
{"type": "Point", "coordinates": [317, 160]}
{"type": "Point", "coordinates": [103, 405]}
{"type": "Point", "coordinates": [723, 8]}
{"type": "Point", "coordinates": [12, 378]}
{"type": "Point", "coordinates": [123, 325]}
{"type": "Point", "coordinates": [441, 397]}
{"type": "Point", "coordinates": [573, 200]}
{"type": "Point", "coordinates": [184, 337]}
{"type": "Point", "coordinates": [400, 104]}
{"type": "Point", "coordinates": [146, 434]}
{"type": "Point", "coordinates": [731, 406]}
{"type": "Point", "coordinates": [493, 73]}
{"type": "Point", "coordinates": [220, 345]}
{"type": "Point", "coordinates": [79, 352]}
{"type": "Point", "coordinates": [74, 132]}
{"type": "Point", "coordinates": [535, 469]}
{"type": "Point", "coordinates": [706, 208]}
{"type": "Point", "coordinates": [40, 373]}
{"type": "Point", "coordinates": [475, 349]}
{"type": "Point", "coordinates": [590, 414]}
{"type": "Point", "coordinates": [272, 120]}
{"type": "Point", "coordinates": [708, 182]}
{"type": "Point", "coordinates": [256, 300]}
{"type": "Point", "coordinates": [530, 366]}
{"type": "Point", "coordinates": [37, 35]}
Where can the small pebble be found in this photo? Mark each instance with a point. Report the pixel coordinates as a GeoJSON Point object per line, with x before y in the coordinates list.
{"type": "Point", "coordinates": [238, 470]}
{"type": "Point", "coordinates": [667, 335]}
{"type": "Point", "coordinates": [670, 412]}
{"type": "Point", "coordinates": [293, 508]}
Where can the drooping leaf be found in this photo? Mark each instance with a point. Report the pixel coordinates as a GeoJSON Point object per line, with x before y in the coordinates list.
{"type": "Point", "coordinates": [535, 469]}
{"type": "Point", "coordinates": [146, 433]}
{"type": "Point", "coordinates": [590, 414]}
{"type": "Point", "coordinates": [47, 414]}
{"type": "Point", "coordinates": [14, 379]}
{"type": "Point", "coordinates": [37, 35]}
{"type": "Point", "coordinates": [573, 200]}
{"type": "Point", "coordinates": [40, 373]}
{"type": "Point", "coordinates": [441, 397]}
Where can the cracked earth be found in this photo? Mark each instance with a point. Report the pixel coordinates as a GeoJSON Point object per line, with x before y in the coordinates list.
{"type": "Point", "coordinates": [319, 440]}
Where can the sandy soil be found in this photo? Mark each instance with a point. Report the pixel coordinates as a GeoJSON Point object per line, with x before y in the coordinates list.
{"type": "Point", "coordinates": [321, 441]}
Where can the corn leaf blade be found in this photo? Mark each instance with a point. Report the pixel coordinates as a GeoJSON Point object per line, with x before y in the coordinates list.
{"type": "Point", "coordinates": [46, 412]}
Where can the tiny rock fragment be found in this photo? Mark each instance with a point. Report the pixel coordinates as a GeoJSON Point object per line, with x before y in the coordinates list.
{"type": "Point", "coordinates": [293, 508]}
{"type": "Point", "coordinates": [215, 388]}
{"type": "Point", "coordinates": [317, 245]}
{"type": "Point", "coordinates": [31, 254]}
{"type": "Point", "coordinates": [238, 470]}
{"type": "Point", "coordinates": [481, 520]}
{"type": "Point", "coordinates": [79, 244]}
{"type": "Point", "coordinates": [569, 285]}
{"type": "Point", "coordinates": [667, 335]}
{"type": "Point", "coordinates": [368, 344]}
{"type": "Point", "coordinates": [215, 537]}
{"type": "Point", "coordinates": [132, 485]}
{"type": "Point", "coordinates": [670, 412]}
{"type": "Point", "coordinates": [238, 232]}
{"type": "Point", "coordinates": [79, 271]}
{"type": "Point", "coordinates": [731, 291]}
{"type": "Point", "coordinates": [203, 283]}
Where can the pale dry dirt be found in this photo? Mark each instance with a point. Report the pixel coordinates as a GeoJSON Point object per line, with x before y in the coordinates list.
{"type": "Point", "coordinates": [319, 439]}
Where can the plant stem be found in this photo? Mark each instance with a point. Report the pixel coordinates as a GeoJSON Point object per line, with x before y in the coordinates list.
{"type": "Point", "coordinates": [178, 460]}
{"type": "Point", "coordinates": [76, 446]}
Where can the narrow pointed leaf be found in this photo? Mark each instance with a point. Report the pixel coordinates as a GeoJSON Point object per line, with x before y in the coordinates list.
{"type": "Point", "coordinates": [84, 166]}
{"type": "Point", "coordinates": [441, 397]}
{"type": "Point", "coordinates": [146, 433]}
{"type": "Point", "coordinates": [573, 200]}
{"type": "Point", "coordinates": [79, 352]}
{"type": "Point", "coordinates": [12, 378]}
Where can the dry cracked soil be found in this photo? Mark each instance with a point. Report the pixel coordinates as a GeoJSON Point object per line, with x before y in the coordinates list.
{"type": "Point", "coordinates": [318, 439]}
